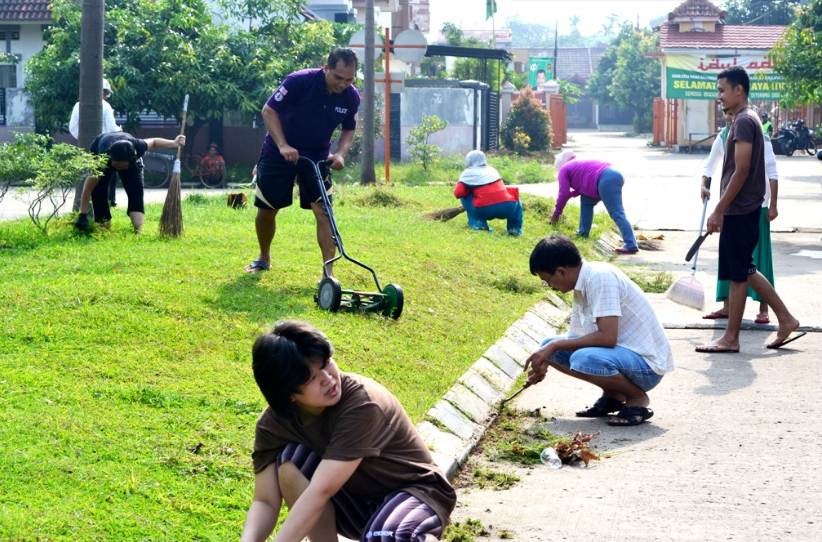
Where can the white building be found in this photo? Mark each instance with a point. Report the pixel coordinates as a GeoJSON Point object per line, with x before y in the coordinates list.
{"type": "Point", "coordinates": [21, 36]}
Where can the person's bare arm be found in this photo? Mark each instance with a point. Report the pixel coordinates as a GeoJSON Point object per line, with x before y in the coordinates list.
{"type": "Point", "coordinates": [742, 160]}
{"type": "Point", "coordinates": [772, 212]}
{"type": "Point", "coordinates": [338, 158]}
{"type": "Point", "coordinates": [275, 129]}
{"type": "Point", "coordinates": [265, 506]}
{"type": "Point", "coordinates": [327, 480]}
{"type": "Point", "coordinates": [160, 143]}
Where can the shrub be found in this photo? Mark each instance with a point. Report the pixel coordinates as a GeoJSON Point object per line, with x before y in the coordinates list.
{"type": "Point", "coordinates": [418, 140]}
{"type": "Point", "coordinates": [50, 170]}
{"type": "Point", "coordinates": [528, 117]}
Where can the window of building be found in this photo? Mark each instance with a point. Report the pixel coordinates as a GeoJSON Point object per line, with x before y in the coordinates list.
{"type": "Point", "coordinates": [8, 76]}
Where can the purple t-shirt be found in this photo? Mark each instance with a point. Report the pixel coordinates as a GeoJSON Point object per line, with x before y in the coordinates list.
{"type": "Point", "coordinates": [309, 114]}
{"type": "Point", "coordinates": [578, 177]}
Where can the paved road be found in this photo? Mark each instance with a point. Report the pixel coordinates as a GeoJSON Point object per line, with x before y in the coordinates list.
{"type": "Point", "coordinates": [662, 188]}
{"type": "Point", "coordinates": [732, 452]}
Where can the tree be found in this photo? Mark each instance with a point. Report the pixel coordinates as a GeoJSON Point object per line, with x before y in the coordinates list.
{"type": "Point", "coordinates": [637, 77]}
{"type": "Point", "coordinates": [798, 56]}
{"type": "Point", "coordinates": [367, 174]}
{"type": "Point", "coordinates": [600, 81]}
{"type": "Point", "coordinates": [91, 78]}
{"type": "Point", "coordinates": [528, 127]}
{"type": "Point", "coordinates": [761, 12]}
{"type": "Point", "coordinates": [159, 50]}
{"type": "Point", "coordinates": [418, 140]}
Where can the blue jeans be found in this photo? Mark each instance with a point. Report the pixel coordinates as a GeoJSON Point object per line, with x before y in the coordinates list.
{"type": "Point", "coordinates": [609, 187]}
{"type": "Point", "coordinates": [478, 217]}
{"type": "Point", "coordinates": [598, 361]}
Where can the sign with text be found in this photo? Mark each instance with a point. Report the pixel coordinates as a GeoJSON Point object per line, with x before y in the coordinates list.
{"type": "Point", "coordinates": [540, 70]}
{"type": "Point", "coordinates": [693, 77]}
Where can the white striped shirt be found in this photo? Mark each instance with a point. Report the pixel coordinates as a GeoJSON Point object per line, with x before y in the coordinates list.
{"type": "Point", "coordinates": [603, 290]}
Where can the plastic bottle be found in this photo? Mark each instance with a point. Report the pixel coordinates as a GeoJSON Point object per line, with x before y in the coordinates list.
{"type": "Point", "coordinates": [549, 457]}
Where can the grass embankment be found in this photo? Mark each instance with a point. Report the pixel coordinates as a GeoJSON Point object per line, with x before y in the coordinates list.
{"type": "Point", "coordinates": [126, 393]}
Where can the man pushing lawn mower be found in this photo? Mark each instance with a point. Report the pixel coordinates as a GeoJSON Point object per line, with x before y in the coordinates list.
{"type": "Point", "coordinates": [300, 117]}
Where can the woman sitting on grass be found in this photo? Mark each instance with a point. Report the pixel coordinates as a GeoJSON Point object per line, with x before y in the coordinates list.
{"type": "Point", "coordinates": [339, 448]}
{"type": "Point", "coordinates": [484, 195]}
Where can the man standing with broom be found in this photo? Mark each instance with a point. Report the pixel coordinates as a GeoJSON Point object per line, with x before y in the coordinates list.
{"type": "Point", "coordinates": [737, 216]}
{"type": "Point", "coordinates": [125, 154]}
{"type": "Point", "coordinates": [300, 117]}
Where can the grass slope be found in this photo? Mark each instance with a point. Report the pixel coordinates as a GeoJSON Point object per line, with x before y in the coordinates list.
{"type": "Point", "coordinates": [126, 393]}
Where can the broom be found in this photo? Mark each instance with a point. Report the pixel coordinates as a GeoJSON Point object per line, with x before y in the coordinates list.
{"type": "Point", "coordinates": [171, 221]}
{"type": "Point", "coordinates": [445, 214]}
{"type": "Point", "coordinates": [688, 290]}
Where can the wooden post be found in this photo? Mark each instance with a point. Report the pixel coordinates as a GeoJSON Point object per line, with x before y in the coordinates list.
{"type": "Point", "coordinates": [386, 53]}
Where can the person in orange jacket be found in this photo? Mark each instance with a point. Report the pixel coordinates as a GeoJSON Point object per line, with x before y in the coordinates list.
{"type": "Point", "coordinates": [485, 197]}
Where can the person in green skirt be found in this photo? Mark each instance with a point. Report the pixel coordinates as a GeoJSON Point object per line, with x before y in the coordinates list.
{"type": "Point", "coordinates": [762, 255]}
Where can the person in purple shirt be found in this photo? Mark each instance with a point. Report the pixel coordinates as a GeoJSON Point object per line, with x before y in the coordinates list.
{"type": "Point", "coordinates": [593, 181]}
{"type": "Point", "coordinates": [300, 118]}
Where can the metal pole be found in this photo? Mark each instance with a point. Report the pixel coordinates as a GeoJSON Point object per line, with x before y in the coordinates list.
{"type": "Point", "coordinates": [386, 48]}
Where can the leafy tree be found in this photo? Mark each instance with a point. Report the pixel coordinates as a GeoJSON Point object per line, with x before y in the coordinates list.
{"type": "Point", "coordinates": [798, 56]}
{"type": "Point", "coordinates": [569, 91]}
{"type": "Point", "coordinates": [528, 118]}
{"type": "Point", "coordinates": [761, 12]}
{"type": "Point", "coordinates": [636, 77]}
{"type": "Point", "coordinates": [418, 140]}
{"type": "Point", "coordinates": [159, 50]}
{"type": "Point", "coordinates": [600, 81]}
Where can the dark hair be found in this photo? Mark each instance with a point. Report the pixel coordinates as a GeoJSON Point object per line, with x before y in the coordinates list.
{"type": "Point", "coordinates": [552, 252]}
{"type": "Point", "coordinates": [736, 76]}
{"type": "Point", "coordinates": [281, 361]}
{"type": "Point", "coordinates": [122, 151]}
{"type": "Point", "coordinates": [540, 71]}
{"type": "Point", "coordinates": [345, 55]}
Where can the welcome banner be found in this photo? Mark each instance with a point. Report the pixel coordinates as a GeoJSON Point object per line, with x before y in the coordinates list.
{"type": "Point", "coordinates": [693, 77]}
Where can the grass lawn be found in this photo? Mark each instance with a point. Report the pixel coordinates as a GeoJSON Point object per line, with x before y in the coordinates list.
{"type": "Point", "coordinates": [126, 393]}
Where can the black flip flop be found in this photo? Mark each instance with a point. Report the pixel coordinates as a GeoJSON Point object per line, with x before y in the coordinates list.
{"type": "Point", "coordinates": [631, 415]}
{"type": "Point", "coordinates": [789, 339]}
{"type": "Point", "coordinates": [602, 407]}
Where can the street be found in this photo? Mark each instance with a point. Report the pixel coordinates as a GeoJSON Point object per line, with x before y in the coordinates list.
{"type": "Point", "coordinates": [730, 452]}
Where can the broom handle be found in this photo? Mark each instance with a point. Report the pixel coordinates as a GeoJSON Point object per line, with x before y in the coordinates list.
{"type": "Point", "coordinates": [701, 226]}
{"type": "Point", "coordinates": [183, 125]}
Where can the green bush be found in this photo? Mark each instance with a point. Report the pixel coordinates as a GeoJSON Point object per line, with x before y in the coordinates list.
{"type": "Point", "coordinates": [50, 170]}
{"type": "Point", "coordinates": [530, 118]}
{"type": "Point", "coordinates": [421, 150]}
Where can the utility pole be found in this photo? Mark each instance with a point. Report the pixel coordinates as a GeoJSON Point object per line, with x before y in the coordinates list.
{"type": "Point", "coordinates": [367, 175]}
{"type": "Point", "coordinates": [91, 77]}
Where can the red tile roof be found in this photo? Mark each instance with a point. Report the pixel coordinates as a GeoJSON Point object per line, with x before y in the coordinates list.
{"type": "Point", "coordinates": [25, 10]}
{"type": "Point", "coordinates": [696, 8]}
{"type": "Point", "coordinates": [725, 37]}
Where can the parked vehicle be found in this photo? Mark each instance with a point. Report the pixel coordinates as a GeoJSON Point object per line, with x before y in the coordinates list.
{"type": "Point", "coordinates": [795, 136]}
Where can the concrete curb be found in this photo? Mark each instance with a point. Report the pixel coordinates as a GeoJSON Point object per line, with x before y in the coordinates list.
{"type": "Point", "coordinates": [454, 425]}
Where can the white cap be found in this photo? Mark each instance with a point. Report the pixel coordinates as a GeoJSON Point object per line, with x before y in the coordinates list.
{"type": "Point", "coordinates": [107, 86]}
{"type": "Point", "coordinates": [563, 158]}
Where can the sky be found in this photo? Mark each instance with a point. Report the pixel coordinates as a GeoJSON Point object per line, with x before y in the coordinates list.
{"type": "Point", "coordinates": [470, 14]}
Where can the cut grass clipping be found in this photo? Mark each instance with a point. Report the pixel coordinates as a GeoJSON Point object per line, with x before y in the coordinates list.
{"type": "Point", "coordinates": [650, 281]}
{"type": "Point", "coordinates": [519, 437]}
{"type": "Point", "coordinates": [494, 479]}
{"type": "Point", "coordinates": [468, 530]}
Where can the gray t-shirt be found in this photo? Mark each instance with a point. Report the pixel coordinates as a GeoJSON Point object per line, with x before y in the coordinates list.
{"type": "Point", "coordinates": [747, 128]}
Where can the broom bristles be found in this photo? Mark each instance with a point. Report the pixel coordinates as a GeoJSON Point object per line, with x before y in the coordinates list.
{"type": "Point", "coordinates": [445, 214]}
{"type": "Point", "coordinates": [171, 221]}
{"type": "Point", "coordinates": [687, 291]}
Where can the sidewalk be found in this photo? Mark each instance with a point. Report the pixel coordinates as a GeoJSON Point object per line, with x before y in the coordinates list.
{"type": "Point", "coordinates": [732, 452]}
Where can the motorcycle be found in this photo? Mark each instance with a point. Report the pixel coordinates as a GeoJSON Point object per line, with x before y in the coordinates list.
{"type": "Point", "coordinates": [804, 140]}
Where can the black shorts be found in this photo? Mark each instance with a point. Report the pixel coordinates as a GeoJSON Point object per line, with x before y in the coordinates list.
{"type": "Point", "coordinates": [737, 240]}
{"type": "Point", "coordinates": [132, 180]}
{"type": "Point", "coordinates": [275, 183]}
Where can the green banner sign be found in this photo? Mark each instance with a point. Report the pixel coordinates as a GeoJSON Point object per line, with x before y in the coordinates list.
{"type": "Point", "coordinates": [693, 77]}
{"type": "Point", "coordinates": [540, 70]}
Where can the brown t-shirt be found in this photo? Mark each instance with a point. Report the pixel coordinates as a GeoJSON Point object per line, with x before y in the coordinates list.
{"type": "Point", "coordinates": [747, 128]}
{"type": "Point", "coordinates": [367, 423]}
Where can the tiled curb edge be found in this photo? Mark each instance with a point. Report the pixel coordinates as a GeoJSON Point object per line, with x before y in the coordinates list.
{"type": "Point", "coordinates": [454, 425]}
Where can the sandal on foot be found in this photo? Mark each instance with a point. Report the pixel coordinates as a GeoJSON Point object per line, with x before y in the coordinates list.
{"type": "Point", "coordinates": [603, 407]}
{"type": "Point", "coordinates": [257, 266]}
{"type": "Point", "coordinates": [762, 319]}
{"type": "Point", "coordinates": [716, 349]}
{"type": "Point", "coordinates": [631, 415]}
{"type": "Point", "coordinates": [789, 339]}
{"type": "Point", "coordinates": [716, 315]}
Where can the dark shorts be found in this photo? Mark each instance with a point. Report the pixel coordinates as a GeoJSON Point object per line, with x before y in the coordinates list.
{"type": "Point", "coordinates": [399, 517]}
{"type": "Point", "coordinates": [132, 180]}
{"type": "Point", "coordinates": [737, 242]}
{"type": "Point", "coordinates": [275, 183]}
